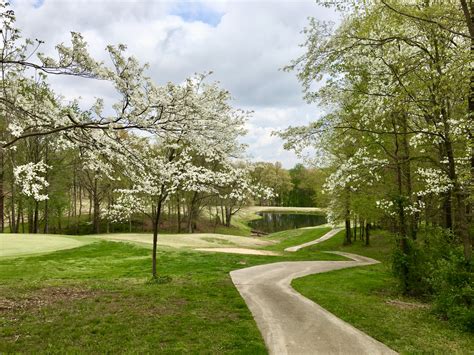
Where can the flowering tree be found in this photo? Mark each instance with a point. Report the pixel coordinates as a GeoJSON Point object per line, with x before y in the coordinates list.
{"type": "Point", "coordinates": [237, 188]}
{"type": "Point", "coordinates": [397, 91]}
{"type": "Point", "coordinates": [192, 157]}
{"type": "Point", "coordinates": [191, 114]}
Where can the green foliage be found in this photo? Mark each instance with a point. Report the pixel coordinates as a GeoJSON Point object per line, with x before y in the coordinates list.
{"type": "Point", "coordinates": [408, 266]}
{"type": "Point", "coordinates": [273, 176]}
{"type": "Point", "coordinates": [397, 131]}
{"type": "Point", "coordinates": [307, 187]}
{"type": "Point", "coordinates": [433, 267]}
{"type": "Point", "coordinates": [452, 283]}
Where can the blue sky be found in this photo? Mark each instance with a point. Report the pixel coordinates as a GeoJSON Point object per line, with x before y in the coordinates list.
{"type": "Point", "coordinates": [194, 11]}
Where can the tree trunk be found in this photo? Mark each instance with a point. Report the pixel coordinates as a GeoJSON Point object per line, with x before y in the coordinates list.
{"type": "Point", "coordinates": [367, 234]}
{"type": "Point", "coordinates": [402, 227]}
{"type": "Point", "coordinates": [447, 221]}
{"type": "Point", "coordinates": [60, 215]}
{"type": "Point", "coordinates": [79, 214]}
{"type": "Point", "coordinates": [74, 190]}
{"type": "Point", "coordinates": [460, 225]}
{"type": "Point", "coordinates": [90, 206]}
{"type": "Point", "coordinates": [347, 240]}
{"type": "Point", "coordinates": [406, 166]}
{"type": "Point", "coordinates": [30, 218]}
{"type": "Point", "coordinates": [36, 218]}
{"type": "Point", "coordinates": [22, 221]}
{"type": "Point", "coordinates": [190, 223]}
{"type": "Point", "coordinates": [19, 214]}
{"type": "Point", "coordinates": [179, 214]}
{"type": "Point", "coordinates": [228, 216]}
{"type": "Point", "coordinates": [46, 217]}
{"type": "Point", "coordinates": [96, 201]}
{"type": "Point", "coordinates": [222, 213]}
{"type": "Point", "coordinates": [13, 228]}
{"type": "Point", "coordinates": [108, 206]}
{"type": "Point", "coordinates": [2, 192]}
{"type": "Point", "coordinates": [355, 229]}
{"type": "Point", "coordinates": [156, 224]}
{"type": "Point", "coordinates": [192, 213]}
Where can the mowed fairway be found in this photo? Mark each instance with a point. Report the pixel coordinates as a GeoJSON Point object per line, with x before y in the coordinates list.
{"type": "Point", "coordinates": [98, 298]}
{"type": "Point", "coordinates": [12, 245]}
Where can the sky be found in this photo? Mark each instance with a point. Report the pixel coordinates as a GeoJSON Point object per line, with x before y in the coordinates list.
{"type": "Point", "coordinates": [244, 43]}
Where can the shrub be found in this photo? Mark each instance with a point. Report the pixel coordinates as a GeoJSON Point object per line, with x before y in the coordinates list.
{"type": "Point", "coordinates": [452, 283]}
{"type": "Point", "coordinates": [434, 267]}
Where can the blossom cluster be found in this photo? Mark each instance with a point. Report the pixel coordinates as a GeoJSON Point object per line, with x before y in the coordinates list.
{"type": "Point", "coordinates": [30, 177]}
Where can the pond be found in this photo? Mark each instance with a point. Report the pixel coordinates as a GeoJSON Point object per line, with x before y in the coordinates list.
{"type": "Point", "coordinates": [277, 221]}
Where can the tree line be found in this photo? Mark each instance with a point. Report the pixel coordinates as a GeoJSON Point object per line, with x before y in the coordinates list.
{"type": "Point", "coordinates": [397, 133]}
{"type": "Point", "coordinates": [155, 147]}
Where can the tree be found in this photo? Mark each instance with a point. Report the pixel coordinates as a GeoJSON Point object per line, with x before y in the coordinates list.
{"type": "Point", "coordinates": [274, 177]}
{"type": "Point", "coordinates": [192, 158]}
{"type": "Point", "coordinates": [397, 91]}
{"type": "Point", "coordinates": [307, 187]}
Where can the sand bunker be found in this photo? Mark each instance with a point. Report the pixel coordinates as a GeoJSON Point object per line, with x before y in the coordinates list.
{"type": "Point", "coordinates": [239, 251]}
{"type": "Point", "coordinates": [196, 240]}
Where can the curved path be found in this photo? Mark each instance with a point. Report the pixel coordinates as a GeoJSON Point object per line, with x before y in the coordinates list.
{"type": "Point", "coordinates": [328, 235]}
{"type": "Point", "coordinates": [291, 323]}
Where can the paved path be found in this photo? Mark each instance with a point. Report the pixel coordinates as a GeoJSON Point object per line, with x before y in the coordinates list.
{"type": "Point", "coordinates": [328, 235]}
{"type": "Point", "coordinates": [291, 323]}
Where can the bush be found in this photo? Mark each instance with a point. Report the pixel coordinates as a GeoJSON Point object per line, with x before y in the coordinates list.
{"type": "Point", "coordinates": [434, 267]}
{"type": "Point", "coordinates": [452, 283]}
{"type": "Point", "coordinates": [410, 268]}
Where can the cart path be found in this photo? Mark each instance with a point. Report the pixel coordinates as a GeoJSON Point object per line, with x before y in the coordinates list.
{"type": "Point", "coordinates": [328, 235]}
{"type": "Point", "coordinates": [293, 324]}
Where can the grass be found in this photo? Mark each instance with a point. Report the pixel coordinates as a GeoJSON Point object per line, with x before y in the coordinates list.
{"type": "Point", "coordinates": [96, 298]}
{"type": "Point", "coordinates": [109, 307]}
{"type": "Point", "coordinates": [368, 298]}
{"type": "Point", "coordinates": [12, 245]}
{"type": "Point", "coordinates": [289, 238]}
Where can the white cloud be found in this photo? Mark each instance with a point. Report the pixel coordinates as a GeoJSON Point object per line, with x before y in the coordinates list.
{"type": "Point", "coordinates": [244, 43]}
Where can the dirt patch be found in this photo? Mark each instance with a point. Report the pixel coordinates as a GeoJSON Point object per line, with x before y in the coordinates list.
{"type": "Point", "coordinates": [407, 305]}
{"type": "Point", "coordinates": [44, 297]}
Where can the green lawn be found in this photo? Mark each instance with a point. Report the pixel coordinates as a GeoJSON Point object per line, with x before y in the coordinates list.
{"type": "Point", "coordinates": [367, 298]}
{"type": "Point", "coordinates": [97, 298]}
{"type": "Point", "coordinates": [294, 237]}
{"type": "Point", "coordinates": [12, 245]}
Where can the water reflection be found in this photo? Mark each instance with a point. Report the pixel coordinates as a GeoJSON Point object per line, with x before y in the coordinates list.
{"type": "Point", "coordinates": [275, 222]}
